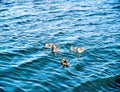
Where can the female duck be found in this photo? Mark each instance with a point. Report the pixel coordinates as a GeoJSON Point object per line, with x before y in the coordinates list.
{"type": "Point", "coordinates": [64, 62]}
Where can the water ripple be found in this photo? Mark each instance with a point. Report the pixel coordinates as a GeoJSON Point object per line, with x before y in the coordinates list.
{"type": "Point", "coordinates": [27, 25]}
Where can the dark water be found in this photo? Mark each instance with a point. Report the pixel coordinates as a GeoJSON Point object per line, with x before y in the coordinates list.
{"type": "Point", "coordinates": [25, 27]}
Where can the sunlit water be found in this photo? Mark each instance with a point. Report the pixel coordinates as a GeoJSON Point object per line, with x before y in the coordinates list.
{"type": "Point", "coordinates": [25, 27]}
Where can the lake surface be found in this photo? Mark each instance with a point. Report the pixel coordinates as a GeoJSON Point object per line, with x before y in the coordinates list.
{"type": "Point", "coordinates": [27, 25]}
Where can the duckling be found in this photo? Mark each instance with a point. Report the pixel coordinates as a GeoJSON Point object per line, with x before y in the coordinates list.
{"type": "Point", "coordinates": [79, 51]}
{"type": "Point", "coordinates": [64, 62]}
{"type": "Point", "coordinates": [48, 46]}
{"type": "Point", "coordinates": [54, 49]}
{"type": "Point", "coordinates": [72, 49]}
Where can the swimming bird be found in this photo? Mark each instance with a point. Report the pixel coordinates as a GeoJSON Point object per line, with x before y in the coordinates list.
{"type": "Point", "coordinates": [64, 62]}
{"type": "Point", "coordinates": [79, 51]}
{"type": "Point", "coordinates": [54, 49]}
{"type": "Point", "coordinates": [48, 46]}
{"type": "Point", "coordinates": [72, 49]}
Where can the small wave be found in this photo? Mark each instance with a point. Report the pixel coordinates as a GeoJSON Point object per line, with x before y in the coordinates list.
{"type": "Point", "coordinates": [50, 86]}
{"type": "Point", "coordinates": [1, 90]}
{"type": "Point", "coordinates": [8, 55]}
{"type": "Point", "coordinates": [26, 51]}
{"type": "Point", "coordinates": [19, 89]}
{"type": "Point", "coordinates": [2, 10]}
{"type": "Point", "coordinates": [30, 60]}
{"type": "Point", "coordinates": [6, 3]}
{"type": "Point", "coordinates": [117, 7]}
{"type": "Point", "coordinates": [15, 18]}
{"type": "Point", "coordinates": [106, 84]}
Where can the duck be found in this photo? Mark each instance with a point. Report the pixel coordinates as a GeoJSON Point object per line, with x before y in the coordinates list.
{"type": "Point", "coordinates": [72, 49]}
{"type": "Point", "coordinates": [54, 49]}
{"type": "Point", "coordinates": [48, 46]}
{"type": "Point", "coordinates": [80, 50]}
{"type": "Point", "coordinates": [64, 62]}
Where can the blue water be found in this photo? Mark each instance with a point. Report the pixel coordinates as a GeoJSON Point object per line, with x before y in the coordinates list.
{"type": "Point", "coordinates": [25, 27]}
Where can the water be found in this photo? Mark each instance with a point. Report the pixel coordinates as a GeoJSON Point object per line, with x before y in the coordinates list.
{"type": "Point", "coordinates": [25, 27]}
